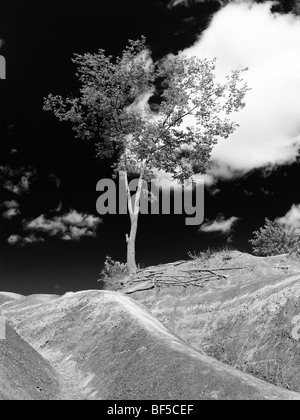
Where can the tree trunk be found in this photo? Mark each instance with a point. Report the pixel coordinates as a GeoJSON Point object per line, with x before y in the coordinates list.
{"type": "Point", "coordinates": [134, 216]}
{"type": "Point", "coordinates": [131, 263]}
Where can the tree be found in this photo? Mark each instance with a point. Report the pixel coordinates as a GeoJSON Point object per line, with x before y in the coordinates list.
{"type": "Point", "coordinates": [175, 134]}
{"type": "Point", "coordinates": [275, 238]}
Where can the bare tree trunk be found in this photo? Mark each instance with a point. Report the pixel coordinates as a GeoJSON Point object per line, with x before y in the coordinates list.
{"type": "Point", "coordinates": [134, 216]}
{"type": "Point", "coordinates": [131, 262]}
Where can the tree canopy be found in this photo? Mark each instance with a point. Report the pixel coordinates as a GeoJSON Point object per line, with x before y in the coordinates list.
{"type": "Point", "coordinates": [275, 238]}
{"type": "Point", "coordinates": [150, 116]}
{"type": "Point", "coordinates": [176, 133]}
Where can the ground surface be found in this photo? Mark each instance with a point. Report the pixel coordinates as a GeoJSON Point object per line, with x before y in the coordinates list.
{"type": "Point", "coordinates": [249, 320]}
{"type": "Point", "coordinates": [193, 342]}
{"type": "Point", "coordinates": [24, 373]}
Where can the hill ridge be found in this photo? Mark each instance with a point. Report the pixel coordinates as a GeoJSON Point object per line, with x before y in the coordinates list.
{"type": "Point", "coordinates": [116, 349]}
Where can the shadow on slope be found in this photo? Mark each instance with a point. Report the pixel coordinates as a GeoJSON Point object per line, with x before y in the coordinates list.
{"type": "Point", "coordinates": [103, 345]}
{"type": "Point", "coordinates": [24, 374]}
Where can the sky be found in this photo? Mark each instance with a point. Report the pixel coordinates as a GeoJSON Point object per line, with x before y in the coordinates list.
{"type": "Point", "coordinates": [51, 238]}
{"type": "Point", "coordinates": [269, 124]}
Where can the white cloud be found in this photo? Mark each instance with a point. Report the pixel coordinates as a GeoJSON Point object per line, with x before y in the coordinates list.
{"type": "Point", "coordinates": [219, 225]}
{"type": "Point", "coordinates": [51, 226]}
{"type": "Point", "coordinates": [31, 239]}
{"type": "Point", "coordinates": [12, 209]}
{"type": "Point", "coordinates": [141, 103]}
{"type": "Point", "coordinates": [292, 217]}
{"type": "Point", "coordinates": [76, 233]}
{"type": "Point", "coordinates": [66, 237]}
{"type": "Point", "coordinates": [73, 218]}
{"type": "Point", "coordinates": [69, 226]}
{"type": "Point", "coordinates": [19, 188]}
{"type": "Point", "coordinates": [16, 181]}
{"type": "Point", "coordinates": [10, 186]}
{"type": "Point", "coordinates": [166, 181]}
{"type": "Point", "coordinates": [10, 204]}
{"type": "Point", "coordinates": [176, 2]}
{"type": "Point", "coordinates": [250, 35]}
{"type": "Point", "coordinates": [214, 191]}
{"type": "Point", "coordinates": [14, 239]}
{"type": "Point", "coordinates": [80, 219]}
{"type": "Point", "coordinates": [90, 221]}
{"type": "Point", "coordinates": [10, 213]}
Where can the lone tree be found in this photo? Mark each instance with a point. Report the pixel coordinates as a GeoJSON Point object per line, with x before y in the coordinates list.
{"type": "Point", "coordinates": [175, 133]}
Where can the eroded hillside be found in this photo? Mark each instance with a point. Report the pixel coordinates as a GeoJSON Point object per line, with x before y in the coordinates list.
{"type": "Point", "coordinates": [103, 345]}
{"type": "Point", "coordinates": [249, 318]}
{"type": "Point", "coordinates": [24, 373]}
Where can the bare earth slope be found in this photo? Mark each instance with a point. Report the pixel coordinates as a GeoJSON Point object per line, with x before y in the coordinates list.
{"type": "Point", "coordinates": [12, 299]}
{"type": "Point", "coordinates": [8, 297]}
{"type": "Point", "coordinates": [249, 320]}
{"type": "Point", "coordinates": [24, 374]}
{"type": "Point", "coordinates": [103, 345]}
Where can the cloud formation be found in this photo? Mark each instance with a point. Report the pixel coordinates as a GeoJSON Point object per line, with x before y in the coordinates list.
{"type": "Point", "coordinates": [12, 209]}
{"type": "Point", "coordinates": [14, 239]}
{"type": "Point", "coordinates": [71, 226]}
{"type": "Point", "coordinates": [176, 2]}
{"type": "Point", "coordinates": [249, 35]}
{"type": "Point", "coordinates": [10, 204]}
{"type": "Point", "coordinates": [17, 181]}
{"type": "Point", "coordinates": [292, 217]}
{"type": "Point", "coordinates": [10, 213]}
{"type": "Point", "coordinates": [220, 225]}
{"type": "Point", "coordinates": [18, 240]}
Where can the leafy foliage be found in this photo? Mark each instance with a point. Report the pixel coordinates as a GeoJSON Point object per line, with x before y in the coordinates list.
{"type": "Point", "coordinates": [112, 109]}
{"type": "Point", "coordinates": [203, 256]}
{"type": "Point", "coordinates": [275, 238]}
{"type": "Point", "coordinates": [113, 275]}
{"type": "Point", "coordinates": [176, 135]}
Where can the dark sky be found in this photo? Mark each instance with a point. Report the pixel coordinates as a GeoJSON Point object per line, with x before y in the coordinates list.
{"type": "Point", "coordinates": [40, 38]}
